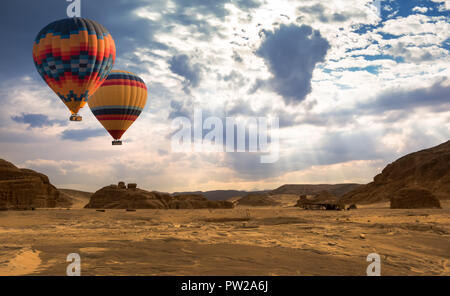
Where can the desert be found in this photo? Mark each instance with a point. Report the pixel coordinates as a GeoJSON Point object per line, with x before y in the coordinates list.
{"type": "Point", "coordinates": [239, 241]}
{"type": "Point", "coordinates": [124, 230]}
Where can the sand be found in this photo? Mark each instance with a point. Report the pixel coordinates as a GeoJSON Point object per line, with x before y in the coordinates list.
{"type": "Point", "coordinates": [242, 241]}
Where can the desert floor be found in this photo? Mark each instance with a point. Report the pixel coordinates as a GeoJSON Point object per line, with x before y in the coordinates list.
{"type": "Point", "coordinates": [241, 241]}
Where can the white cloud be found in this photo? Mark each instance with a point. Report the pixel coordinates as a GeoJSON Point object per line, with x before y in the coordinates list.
{"type": "Point", "coordinates": [420, 9]}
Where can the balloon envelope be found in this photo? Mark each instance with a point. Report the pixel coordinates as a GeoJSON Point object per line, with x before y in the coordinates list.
{"type": "Point", "coordinates": [119, 102]}
{"type": "Point", "coordinates": [74, 56]}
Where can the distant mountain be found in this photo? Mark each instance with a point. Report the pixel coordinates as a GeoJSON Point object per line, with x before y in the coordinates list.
{"type": "Point", "coordinates": [219, 194]}
{"type": "Point", "coordinates": [313, 189]}
{"type": "Point", "coordinates": [257, 199]}
{"type": "Point", "coordinates": [426, 169]}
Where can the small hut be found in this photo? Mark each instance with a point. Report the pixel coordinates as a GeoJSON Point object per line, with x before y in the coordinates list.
{"type": "Point", "coordinates": [323, 201]}
{"type": "Point", "coordinates": [132, 186]}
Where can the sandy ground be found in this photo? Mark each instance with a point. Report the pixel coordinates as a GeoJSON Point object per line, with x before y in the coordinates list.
{"type": "Point", "coordinates": [241, 241]}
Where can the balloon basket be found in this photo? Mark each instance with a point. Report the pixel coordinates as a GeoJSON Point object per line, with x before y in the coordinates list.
{"type": "Point", "coordinates": [75, 117]}
{"type": "Point", "coordinates": [117, 142]}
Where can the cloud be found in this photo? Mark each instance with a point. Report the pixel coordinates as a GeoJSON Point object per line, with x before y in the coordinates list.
{"type": "Point", "coordinates": [180, 109]}
{"type": "Point", "coordinates": [237, 58]}
{"type": "Point", "coordinates": [250, 53]}
{"type": "Point", "coordinates": [81, 135]}
{"type": "Point", "coordinates": [291, 54]}
{"type": "Point", "coordinates": [434, 97]}
{"type": "Point", "coordinates": [181, 65]}
{"type": "Point", "coordinates": [36, 120]}
{"type": "Point", "coordinates": [320, 12]}
{"type": "Point", "coordinates": [420, 9]}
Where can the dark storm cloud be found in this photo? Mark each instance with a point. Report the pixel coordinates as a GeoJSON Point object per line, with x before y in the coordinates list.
{"type": "Point", "coordinates": [316, 10]}
{"type": "Point", "coordinates": [291, 54]}
{"type": "Point", "coordinates": [181, 65]}
{"type": "Point", "coordinates": [82, 134]}
{"type": "Point", "coordinates": [36, 120]}
{"type": "Point", "coordinates": [434, 97]}
{"type": "Point", "coordinates": [319, 11]}
{"type": "Point", "coordinates": [246, 4]}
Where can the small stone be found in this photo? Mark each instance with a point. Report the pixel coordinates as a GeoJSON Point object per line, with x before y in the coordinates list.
{"type": "Point", "coordinates": [362, 236]}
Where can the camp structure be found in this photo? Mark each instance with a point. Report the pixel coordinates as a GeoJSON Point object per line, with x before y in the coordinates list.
{"type": "Point", "coordinates": [323, 201]}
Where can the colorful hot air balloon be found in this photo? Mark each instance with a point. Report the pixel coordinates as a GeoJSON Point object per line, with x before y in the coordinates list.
{"type": "Point", "coordinates": [119, 102]}
{"type": "Point", "coordinates": [74, 56]}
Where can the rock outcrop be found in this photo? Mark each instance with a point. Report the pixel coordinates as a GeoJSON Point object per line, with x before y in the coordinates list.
{"type": "Point", "coordinates": [22, 189]}
{"type": "Point", "coordinates": [121, 197]}
{"type": "Point", "coordinates": [428, 169]}
{"type": "Point", "coordinates": [313, 189]}
{"type": "Point", "coordinates": [257, 200]}
{"type": "Point", "coordinates": [414, 198]}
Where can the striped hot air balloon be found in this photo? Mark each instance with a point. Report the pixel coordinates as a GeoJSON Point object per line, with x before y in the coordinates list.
{"type": "Point", "coordinates": [119, 102]}
{"type": "Point", "coordinates": [74, 56]}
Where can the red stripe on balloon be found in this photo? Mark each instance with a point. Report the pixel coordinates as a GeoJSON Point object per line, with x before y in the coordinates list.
{"type": "Point", "coordinates": [124, 82]}
{"type": "Point", "coordinates": [116, 134]}
{"type": "Point", "coordinates": [117, 117]}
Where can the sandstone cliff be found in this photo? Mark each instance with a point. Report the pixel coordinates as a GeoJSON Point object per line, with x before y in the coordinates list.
{"type": "Point", "coordinates": [428, 169]}
{"type": "Point", "coordinates": [26, 189]}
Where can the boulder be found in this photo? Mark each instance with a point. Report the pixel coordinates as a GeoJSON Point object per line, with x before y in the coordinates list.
{"type": "Point", "coordinates": [414, 198]}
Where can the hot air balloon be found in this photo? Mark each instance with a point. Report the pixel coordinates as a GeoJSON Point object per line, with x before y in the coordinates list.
{"type": "Point", "coordinates": [74, 56]}
{"type": "Point", "coordinates": [119, 102]}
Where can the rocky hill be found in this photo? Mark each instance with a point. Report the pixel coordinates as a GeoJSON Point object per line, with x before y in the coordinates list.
{"type": "Point", "coordinates": [122, 197]}
{"type": "Point", "coordinates": [427, 169]}
{"type": "Point", "coordinates": [25, 189]}
{"type": "Point", "coordinates": [257, 200]}
{"type": "Point", "coordinates": [313, 189]}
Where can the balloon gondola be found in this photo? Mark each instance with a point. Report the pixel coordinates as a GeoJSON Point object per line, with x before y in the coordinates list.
{"type": "Point", "coordinates": [75, 117]}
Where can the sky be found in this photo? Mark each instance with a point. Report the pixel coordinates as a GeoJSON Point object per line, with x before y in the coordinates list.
{"type": "Point", "coordinates": [355, 84]}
